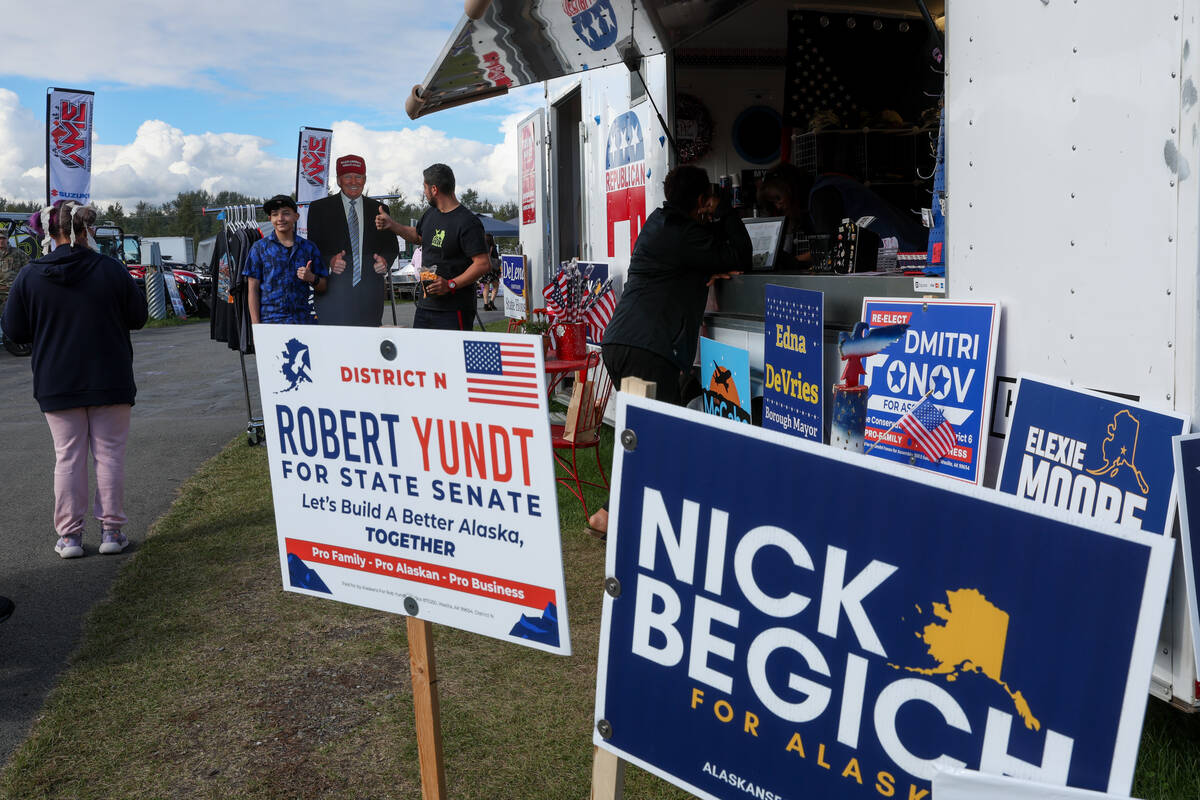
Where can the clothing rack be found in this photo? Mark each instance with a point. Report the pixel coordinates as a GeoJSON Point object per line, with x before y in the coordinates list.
{"type": "Point", "coordinates": [244, 211]}
{"type": "Point", "coordinates": [242, 216]}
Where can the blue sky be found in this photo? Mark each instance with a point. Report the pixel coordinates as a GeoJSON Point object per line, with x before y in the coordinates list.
{"type": "Point", "coordinates": [205, 96]}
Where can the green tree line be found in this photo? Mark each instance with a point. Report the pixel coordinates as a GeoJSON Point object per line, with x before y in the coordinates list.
{"type": "Point", "coordinates": [182, 217]}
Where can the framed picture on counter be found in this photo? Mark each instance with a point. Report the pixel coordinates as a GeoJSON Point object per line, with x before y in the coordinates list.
{"type": "Point", "coordinates": [766, 233]}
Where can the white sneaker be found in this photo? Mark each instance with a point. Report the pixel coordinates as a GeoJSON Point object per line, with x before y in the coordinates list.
{"type": "Point", "coordinates": [112, 542]}
{"type": "Point", "coordinates": [70, 546]}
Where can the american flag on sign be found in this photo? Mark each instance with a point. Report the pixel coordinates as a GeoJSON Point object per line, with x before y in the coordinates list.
{"type": "Point", "coordinates": [598, 315]}
{"type": "Point", "coordinates": [501, 374]}
{"type": "Point", "coordinates": [929, 429]}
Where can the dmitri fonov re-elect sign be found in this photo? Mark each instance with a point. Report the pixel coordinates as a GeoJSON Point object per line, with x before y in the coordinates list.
{"type": "Point", "coordinates": [835, 626]}
{"type": "Point", "coordinates": [412, 472]}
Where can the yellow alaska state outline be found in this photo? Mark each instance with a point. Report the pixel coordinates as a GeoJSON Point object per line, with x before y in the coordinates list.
{"type": "Point", "coordinates": [971, 640]}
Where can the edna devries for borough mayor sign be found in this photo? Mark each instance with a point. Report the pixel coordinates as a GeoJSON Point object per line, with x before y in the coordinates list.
{"type": "Point", "coordinates": [829, 625]}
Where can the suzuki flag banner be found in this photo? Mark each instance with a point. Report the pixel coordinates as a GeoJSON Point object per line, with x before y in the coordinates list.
{"type": "Point", "coordinates": [764, 634]}
{"type": "Point", "coordinates": [1101, 456]}
{"type": "Point", "coordinates": [312, 170]}
{"type": "Point", "coordinates": [412, 472]}
{"type": "Point", "coordinates": [69, 114]}
{"type": "Point", "coordinates": [940, 349]}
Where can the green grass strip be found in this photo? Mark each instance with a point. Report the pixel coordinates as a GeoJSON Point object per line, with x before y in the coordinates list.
{"type": "Point", "coordinates": [201, 678]}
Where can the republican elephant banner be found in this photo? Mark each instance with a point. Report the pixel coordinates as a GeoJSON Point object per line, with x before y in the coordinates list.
{"type": "Point", "coordinates": [625, 178]}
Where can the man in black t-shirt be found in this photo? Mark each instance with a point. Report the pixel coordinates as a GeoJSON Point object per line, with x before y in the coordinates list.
{"type": "Point", "coordinates": [452, 245]}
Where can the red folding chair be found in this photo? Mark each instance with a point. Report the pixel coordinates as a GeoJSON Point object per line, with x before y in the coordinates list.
{"type": "Point", "coordinates": [587, 418]}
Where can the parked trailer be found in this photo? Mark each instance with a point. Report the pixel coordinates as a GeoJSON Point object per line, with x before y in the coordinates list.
{"type": "Point", "coordinates": [1071, 196]}
{"type": "Point", "coordinates": [180, 249]}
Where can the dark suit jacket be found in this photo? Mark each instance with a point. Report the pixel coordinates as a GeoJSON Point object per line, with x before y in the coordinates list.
{"type": "Point", "coordinates": [343, 303]}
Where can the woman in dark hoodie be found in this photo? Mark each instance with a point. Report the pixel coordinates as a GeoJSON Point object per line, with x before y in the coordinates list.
{"type": "Point", "coordinates": [77, 308]}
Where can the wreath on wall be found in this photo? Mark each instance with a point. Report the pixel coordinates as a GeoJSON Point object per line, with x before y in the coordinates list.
{"type": "Point", "coordinates": [693, 128]}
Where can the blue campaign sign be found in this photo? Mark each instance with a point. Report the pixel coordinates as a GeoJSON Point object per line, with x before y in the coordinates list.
{"type": "Point", "coordinates": [512, 275]}
{"type": "Point", "coordinates": [1187, 467]}
{"type": "Point", "coordinates": [725, 380]}
{"type": "Point", "coordinates": [948, 353]}
{"type": "Point", "coordinates": [1096, 455]}
{"type": "Point", "coordinates": [792, 361]}
{"type": "Point", "coordinates": [765, 638]}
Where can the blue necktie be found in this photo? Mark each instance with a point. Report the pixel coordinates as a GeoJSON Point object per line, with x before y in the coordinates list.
{"type": "Point", "coordinates": [353, 219]}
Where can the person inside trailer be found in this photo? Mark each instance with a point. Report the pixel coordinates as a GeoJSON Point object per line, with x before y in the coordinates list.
{"type": "Point", "coordinates": [818, 205]}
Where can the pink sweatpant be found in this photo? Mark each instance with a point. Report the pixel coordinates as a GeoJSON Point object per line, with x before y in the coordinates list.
{"type": "Point", "coordinates": [105, 429]}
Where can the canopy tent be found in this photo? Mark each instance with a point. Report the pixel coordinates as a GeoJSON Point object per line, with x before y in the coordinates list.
{"type": "Point", "coordinates": [498, 227]}
{"type": "Point", "coordinates": [500, 44]}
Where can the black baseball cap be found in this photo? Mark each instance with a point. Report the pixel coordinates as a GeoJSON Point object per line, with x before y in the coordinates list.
{"type": "Point", "coordinates": [279, 201]}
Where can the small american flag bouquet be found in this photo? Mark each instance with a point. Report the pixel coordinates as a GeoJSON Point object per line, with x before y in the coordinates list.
{"type": "Point", "coordinates": [571, 297]}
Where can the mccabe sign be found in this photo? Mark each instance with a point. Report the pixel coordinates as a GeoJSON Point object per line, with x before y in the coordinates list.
{"type": "Point", "coordinates": [839, 627]}
{"type": "Point", "coordinates": [411, 472]}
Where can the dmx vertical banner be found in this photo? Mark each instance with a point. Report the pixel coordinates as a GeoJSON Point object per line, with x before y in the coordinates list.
{"type": "Point", "coordinates": [69, 145]}
{"type": "Point", "coordinates": [312, 170]}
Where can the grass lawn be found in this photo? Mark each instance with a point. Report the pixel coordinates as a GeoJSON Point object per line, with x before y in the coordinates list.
{"type": "Point", "coordinates": [201, 678]}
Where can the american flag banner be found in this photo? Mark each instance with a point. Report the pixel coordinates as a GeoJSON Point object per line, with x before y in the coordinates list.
{"type": "Point", "coordinates": [932, 434]}
{"type": "Point", "coordinates": [599, 313]}
{"type": "Point", "coordinates": [501, 374]}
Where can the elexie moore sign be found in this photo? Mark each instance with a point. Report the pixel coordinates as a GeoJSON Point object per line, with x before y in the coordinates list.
{"type": "Point", "coordinates": [841, 627]}
{"type": "Point", "coordinates": [411, 472]}
{"type": "Point", "coordinates": [1097, 455]}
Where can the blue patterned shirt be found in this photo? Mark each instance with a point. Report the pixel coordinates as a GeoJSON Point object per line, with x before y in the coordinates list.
{"type": "Point", "coordinates": [282, 296]}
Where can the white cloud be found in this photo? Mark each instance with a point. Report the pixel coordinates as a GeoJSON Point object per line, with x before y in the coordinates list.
{"type": "Point", "coordinates": [351, 51]}
{"type": "Point", "coordinates": [396, 158]}
{"type": "Point", "coordinates": [162, 160]}
{"type": "Point", "coordinates": [23, 147]}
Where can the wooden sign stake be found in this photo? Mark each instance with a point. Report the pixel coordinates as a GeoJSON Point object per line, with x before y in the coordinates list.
{"type": "Point", "coordinates": [608, 771]}
{"type": "Point", "coordinates": [426, 707]}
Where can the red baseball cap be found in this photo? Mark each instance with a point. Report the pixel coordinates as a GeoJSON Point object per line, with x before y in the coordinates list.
{"type": "Point", "coordinates": [351, 164]}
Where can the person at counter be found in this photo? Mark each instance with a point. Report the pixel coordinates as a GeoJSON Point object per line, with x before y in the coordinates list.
{"type": "Point", "coordinates": [819, 205]}
{"type": "Point", "coordinates": [693, 240]}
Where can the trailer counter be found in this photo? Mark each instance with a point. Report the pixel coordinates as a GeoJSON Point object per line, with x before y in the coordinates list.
{"type": "Point", "coordinates": [739, 317]}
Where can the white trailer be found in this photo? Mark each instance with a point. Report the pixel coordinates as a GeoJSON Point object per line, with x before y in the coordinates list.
{"type": "Point", "coordinates": [1071, 133]}
{"type": "Point", "coordinates": [178, 249]}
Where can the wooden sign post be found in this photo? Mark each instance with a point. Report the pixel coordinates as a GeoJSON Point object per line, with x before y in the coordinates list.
{"type": "Point", "coordinates": [426, 709]}
{"type": "Point", "coordinates": [608, 771]}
